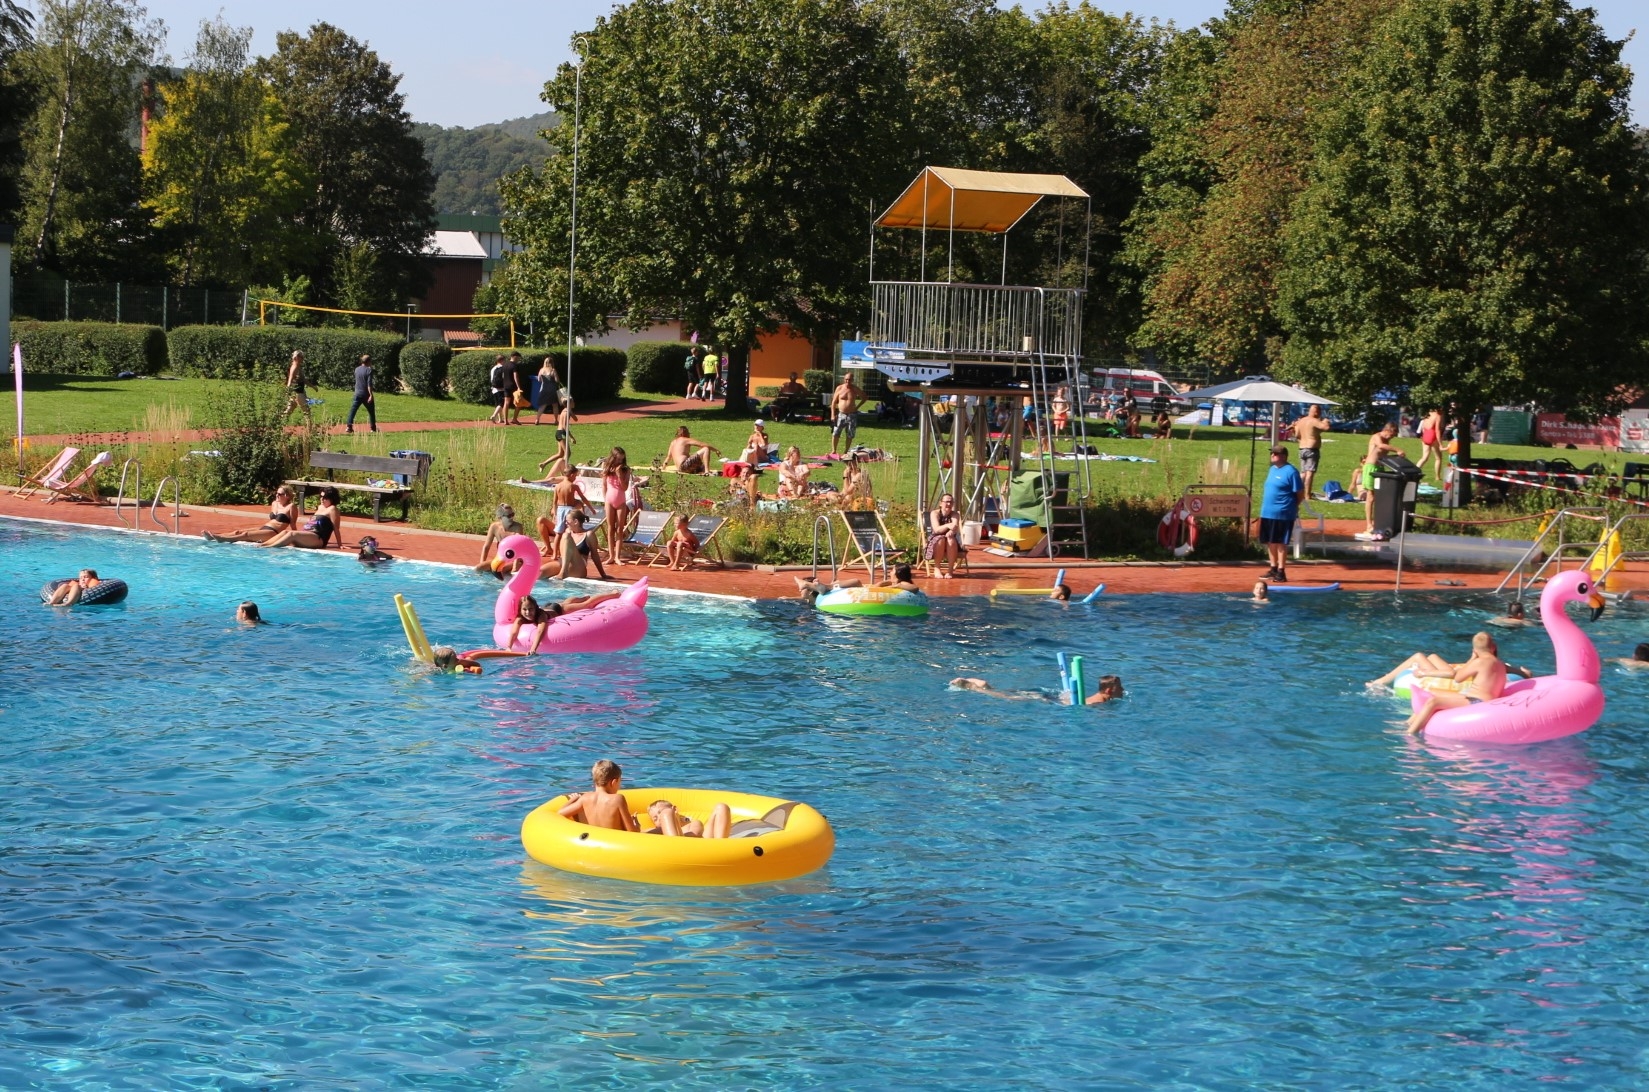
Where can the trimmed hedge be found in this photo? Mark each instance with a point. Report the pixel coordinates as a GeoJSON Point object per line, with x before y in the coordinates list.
{"type": "Point", "coordinates": [467, 376]}
{"type": "Point", "coordinates": [91, 348]}
{"type": "Point", "coordinates": [658, 367]}
{"type": "Point", "coordinates": [424, 368]}
{"type": "Point", "coordinates": [229, 352]}
{"type": "Point", "coordinates": [818, 380]}
{"type": "Point", "coordinates": [599, 375]}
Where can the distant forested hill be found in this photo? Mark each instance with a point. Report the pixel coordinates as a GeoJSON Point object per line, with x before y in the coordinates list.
{"type": "Point", "coordinates": [469, 162]}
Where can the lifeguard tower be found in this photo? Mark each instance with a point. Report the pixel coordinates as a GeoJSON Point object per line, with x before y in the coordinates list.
{"type": "Point", "coordinates": [959, 347]}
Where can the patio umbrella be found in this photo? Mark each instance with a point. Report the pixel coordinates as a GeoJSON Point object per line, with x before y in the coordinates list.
{"type": "Point", "coordinates": [1260, 388]}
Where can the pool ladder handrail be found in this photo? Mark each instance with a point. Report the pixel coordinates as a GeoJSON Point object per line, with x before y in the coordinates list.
{"type": "Point", "coordinates": [177, 504]}
{"type": "Point", "coordinates": [137, 494]}
{"type": "Point", "coordinates": [1618, 528]}
{"type": "Point", "coordinates": [830, 543]}
{"type": "Point", "coordinates": [1563, 547]}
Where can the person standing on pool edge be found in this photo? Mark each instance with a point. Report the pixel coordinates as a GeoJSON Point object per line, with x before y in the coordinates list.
{"type": "Point", "coordinates": [1279, 508]}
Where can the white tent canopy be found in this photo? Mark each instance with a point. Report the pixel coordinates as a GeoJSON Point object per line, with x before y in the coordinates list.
{"type": "Point", "coordinates": [1260, 388]}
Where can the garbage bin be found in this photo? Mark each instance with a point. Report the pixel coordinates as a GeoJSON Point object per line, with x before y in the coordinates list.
{"type": "Point", "coordinates": [406, 479]}
{"type": "Point", "coordinates": [1396, 483]}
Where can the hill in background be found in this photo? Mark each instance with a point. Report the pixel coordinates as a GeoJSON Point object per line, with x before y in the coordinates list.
{"type": "Point", "coordinates": [469, 162]}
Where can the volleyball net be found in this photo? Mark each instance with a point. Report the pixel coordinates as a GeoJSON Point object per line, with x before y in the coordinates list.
{"type": "Point", "coordinates": [417, 325]}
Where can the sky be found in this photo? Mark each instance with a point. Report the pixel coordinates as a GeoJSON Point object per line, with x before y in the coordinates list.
{"type": "Point", "coordinates": [463, 65]}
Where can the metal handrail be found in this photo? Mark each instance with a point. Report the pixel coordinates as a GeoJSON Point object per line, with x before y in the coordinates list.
{"type": "Point", "coordinates": [981, 320]}
{"type": "Point", "coordinates": [830, 540]}
{"type": "Point", "coordinates": [1618, 528]}
{"type": "Point", "coordinates": [137, 494]}
{"type": "Point", "coordinates": [1558, 525]}
{"type": "Point", "coordinates": [177, 504]}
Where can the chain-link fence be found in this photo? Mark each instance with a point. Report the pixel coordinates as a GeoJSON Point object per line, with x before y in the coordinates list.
{"type": "Point", "coordinates": [50, 298]}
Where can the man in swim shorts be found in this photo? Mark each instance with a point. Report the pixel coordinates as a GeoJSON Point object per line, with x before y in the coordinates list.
{"type": "Point", "coordinates": [845, 401]}
{"type": "Point", "coordinates": [1308, 430]}
{"type": "Point", "coordinates": [683, 457]}
{"type": "Point", "coordinates": [1378, 445]}
{"type": "Point", "coordinates": [1484, 675]}
{"type": "Point", "coordinates": [569, 498]}
{"type": "Point", "coordinates": [606, 806]}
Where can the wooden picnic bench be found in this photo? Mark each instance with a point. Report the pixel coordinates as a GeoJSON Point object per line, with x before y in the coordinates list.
{"type": "Point", "coordinates": [409, 470]}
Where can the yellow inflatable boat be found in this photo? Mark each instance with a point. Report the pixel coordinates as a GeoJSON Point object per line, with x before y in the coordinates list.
{"type": "Point", "coordinates": [771, 839]}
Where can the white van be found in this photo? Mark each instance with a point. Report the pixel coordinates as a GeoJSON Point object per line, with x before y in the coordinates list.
{"type": "Point", "coordinates": [1103, 383]}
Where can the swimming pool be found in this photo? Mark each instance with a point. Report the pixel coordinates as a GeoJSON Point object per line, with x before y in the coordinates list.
{"type": "Point", "coordinates": [278, 856]}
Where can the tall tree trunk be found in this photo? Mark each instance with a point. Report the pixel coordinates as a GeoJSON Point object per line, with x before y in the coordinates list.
{"type": "Point", "coordinates": [63, 116]}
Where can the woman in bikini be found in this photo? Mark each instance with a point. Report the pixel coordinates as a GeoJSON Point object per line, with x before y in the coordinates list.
{"type": "Point", "coordinates": [283, 514]}
{"type": "Point", "coordinates": [577, 552]}
{"type": "Point", "coordinates": [326, 524]}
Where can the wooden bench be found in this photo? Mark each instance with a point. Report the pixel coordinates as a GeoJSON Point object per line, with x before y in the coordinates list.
{"type": "Point", "coordinates": [413, 470]}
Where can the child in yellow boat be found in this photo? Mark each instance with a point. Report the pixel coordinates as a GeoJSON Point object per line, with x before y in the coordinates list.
{"type": "Point", "coordinates": [605, 806]}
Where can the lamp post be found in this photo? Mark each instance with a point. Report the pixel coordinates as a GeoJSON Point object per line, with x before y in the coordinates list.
{"type": "Point", "coordinates": [580, 44]}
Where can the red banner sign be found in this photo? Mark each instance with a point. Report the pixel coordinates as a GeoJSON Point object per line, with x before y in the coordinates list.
{"type": "Point", "coordinates": [1558, 431]}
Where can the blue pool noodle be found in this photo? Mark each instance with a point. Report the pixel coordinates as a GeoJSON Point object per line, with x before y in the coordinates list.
{"type": "Point", "coordinates": [1079, 690]}
{"type": "Point", "coordinates": [1091, 596]}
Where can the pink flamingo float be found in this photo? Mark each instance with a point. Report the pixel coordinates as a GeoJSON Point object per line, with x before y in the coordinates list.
{"type": "Point", "coordinates": [607, 627]}
{"type": "Point", "coordinates": [1546, 706]}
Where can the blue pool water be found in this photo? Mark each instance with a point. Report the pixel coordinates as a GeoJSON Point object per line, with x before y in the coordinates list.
{"type": "Point", "coordinates": [279, 857]}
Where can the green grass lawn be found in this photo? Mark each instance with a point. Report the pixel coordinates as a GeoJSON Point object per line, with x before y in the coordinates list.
{"type": "Point", "coordinates": [485, 458]}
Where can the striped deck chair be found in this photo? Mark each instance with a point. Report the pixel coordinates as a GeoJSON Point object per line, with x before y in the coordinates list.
{"type": "Point", "coordinates": [83, 486]}
{"type": "Point", "coordinates": [36, 482]}
{"type": "Point", "coordinates": [648, 535]}
{"type": "Point", "coordinates": [706, 528]}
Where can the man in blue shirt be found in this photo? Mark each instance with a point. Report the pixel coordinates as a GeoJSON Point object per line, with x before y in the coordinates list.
{"type": "Point", "coordinates": [1279, 508]}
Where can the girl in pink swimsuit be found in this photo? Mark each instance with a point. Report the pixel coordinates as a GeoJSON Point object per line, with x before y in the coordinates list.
{"type": "Point", "coordinates": [615, 475]}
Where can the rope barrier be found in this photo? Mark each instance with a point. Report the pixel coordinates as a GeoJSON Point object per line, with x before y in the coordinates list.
{"type": "Point", "coordinates": [1526, 478]}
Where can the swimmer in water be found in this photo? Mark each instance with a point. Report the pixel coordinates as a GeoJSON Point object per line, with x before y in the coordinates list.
{"type": "Point", "coordinates": [1513, 617]}
{"type": "Point", "coordinates": [1061, 593]}
{"type": "Point", "coordinates": [1639, 657]}
{"type": "Point", "coordinates": [1262, 592]}
{"type": "Point", "coordinates": [445, 658]}
{"type": "Point", "coordinates": [248, 612]}
{"type": "Point", "coordinates": [1110, 688]}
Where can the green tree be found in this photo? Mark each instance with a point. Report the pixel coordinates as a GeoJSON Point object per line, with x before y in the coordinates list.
{"type": "Point", "coordinates": [16, 99]}
{"type": "Point", "coordinates": [1478, 223]}
{"type": "Point", "coordinates": [1093, 74]}
{"type": "Point", "coordinates": [351, 134]}
{"type": "Point", "coordinates": [222, 181]}
{"type": "Point", "coordinates": [469, 162]}
{"type": "Point", "coordinates": [730, 152]}
{"type": "Point", "coordinates": [1214, 249]}
{"type": "Point", "coordinates": [81, 177]}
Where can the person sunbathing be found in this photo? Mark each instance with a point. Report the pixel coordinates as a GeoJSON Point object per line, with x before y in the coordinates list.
{"type": "Point", "coordinates": [315, 535]}
{"type": "Point", "coordinates": [670, 822]}
{"type": "Point", "coordinates": [687, 455]}
{"type": "Point", "coordinates": [283, 514]}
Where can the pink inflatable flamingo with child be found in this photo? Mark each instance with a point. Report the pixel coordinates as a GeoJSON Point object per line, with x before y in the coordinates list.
{"type": "Point", "coordinates": [606, 627]}
{"type": "Point", "coordinates": [1544, 707]}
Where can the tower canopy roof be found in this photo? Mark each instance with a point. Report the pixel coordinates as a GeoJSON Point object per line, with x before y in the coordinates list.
{"type": "Point", "coordinates": [953, 199]}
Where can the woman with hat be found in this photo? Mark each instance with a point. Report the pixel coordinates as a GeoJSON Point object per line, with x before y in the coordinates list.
{"type": "Point", "coordinates": [756, 448]}
{"type": "Point", "coordinates": [500, 528]}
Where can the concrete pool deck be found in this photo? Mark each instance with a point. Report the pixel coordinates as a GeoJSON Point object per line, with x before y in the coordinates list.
{"type": "Point", "coordinates": [763, 582]}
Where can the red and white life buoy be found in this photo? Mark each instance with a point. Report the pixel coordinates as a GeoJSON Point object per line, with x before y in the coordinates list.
{"type": "Point", "coordinates": [1177, 530]}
